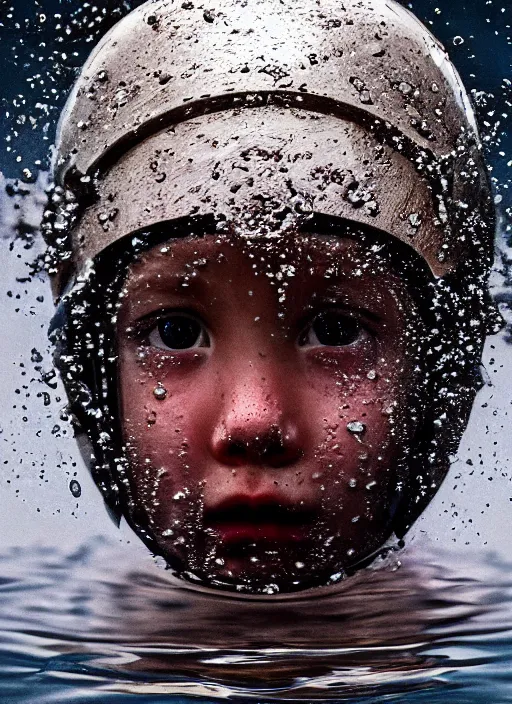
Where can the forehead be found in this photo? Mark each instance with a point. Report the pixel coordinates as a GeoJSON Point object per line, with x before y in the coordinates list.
{"type": "Point", "coordinates": [229, 276]}
{"type": "Point", "coordinates": [296, 257]}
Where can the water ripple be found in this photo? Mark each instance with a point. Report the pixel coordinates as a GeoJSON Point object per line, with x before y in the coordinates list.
{"type": "Point", "coordinates": [92, 626]}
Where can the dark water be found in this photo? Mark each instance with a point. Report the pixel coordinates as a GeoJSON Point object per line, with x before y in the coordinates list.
{"type": "Point", "coordinates": [97, 626]}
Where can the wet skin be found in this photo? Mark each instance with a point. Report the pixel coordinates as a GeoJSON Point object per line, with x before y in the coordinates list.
{"type": "Point", "coordinates": [264, 400]}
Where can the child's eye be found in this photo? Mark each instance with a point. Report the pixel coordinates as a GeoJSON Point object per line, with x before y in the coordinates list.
{"type": "Point", "coordinates": [332, 329]}
{"type": "Point", "coordinates": [179, 331]}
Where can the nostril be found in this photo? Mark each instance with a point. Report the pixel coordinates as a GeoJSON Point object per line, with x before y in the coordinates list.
{"type": "Point", "coordinates": [271, 446]}
{"type": "Point", "coordinates": [236, 448]}
{"type": "Point", "coordinates": [279, 450]}
{"type": "Point", "coordinates": [251, 444]}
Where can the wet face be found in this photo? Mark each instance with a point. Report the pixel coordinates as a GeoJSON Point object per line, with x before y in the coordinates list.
{"type": "Point", "coordinates": [265, 403]}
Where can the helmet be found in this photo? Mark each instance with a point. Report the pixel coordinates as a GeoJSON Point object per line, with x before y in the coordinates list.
{"type": "Point", "coordinates": [262, 111]}
{"type": "Point", "coordinates": [176, 93]}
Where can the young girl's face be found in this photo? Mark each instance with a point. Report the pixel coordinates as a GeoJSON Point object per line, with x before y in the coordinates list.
{"type": "Point", "coordinates": [264, 396]}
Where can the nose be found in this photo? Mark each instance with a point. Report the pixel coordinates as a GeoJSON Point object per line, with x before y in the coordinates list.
{"type": "Point", "coordinates": [258, 424]}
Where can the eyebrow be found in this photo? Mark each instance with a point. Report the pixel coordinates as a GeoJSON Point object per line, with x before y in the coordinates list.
{"type": "Point", "coordinates": [166, 282]}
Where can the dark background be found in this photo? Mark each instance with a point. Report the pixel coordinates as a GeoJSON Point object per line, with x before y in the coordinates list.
{"type": "Point", "coordinates": [43, 44]}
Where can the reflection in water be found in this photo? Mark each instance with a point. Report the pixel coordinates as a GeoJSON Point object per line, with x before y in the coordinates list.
{"type": "Point", "coordinates": [87, 627]}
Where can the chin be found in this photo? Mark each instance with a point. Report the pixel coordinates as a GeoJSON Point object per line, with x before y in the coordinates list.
{"type": "Point", "coordinates": [262, 568]}
{"type": "Point", "coordinates": [264, 556]}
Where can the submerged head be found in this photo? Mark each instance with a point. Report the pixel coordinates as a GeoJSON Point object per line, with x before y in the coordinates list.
{"type": "Point", "coordinates": [272, 288]}
{"type": "Point", "coordinates": [266, 393]}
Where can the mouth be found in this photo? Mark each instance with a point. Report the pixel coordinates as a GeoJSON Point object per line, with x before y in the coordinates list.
{"type": "Point", "coordinates": [245, 520]}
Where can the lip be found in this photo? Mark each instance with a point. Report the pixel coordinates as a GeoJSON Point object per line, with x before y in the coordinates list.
{"type": "Point", "coordinates": [262, 518]}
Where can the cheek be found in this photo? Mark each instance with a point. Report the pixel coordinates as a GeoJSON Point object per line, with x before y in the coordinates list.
{"type": "Point", "coordinates": [361, 434]}
{"type": "Point", "coordinates": [354, 421]}
{"type": "Point", "coordinates": [369, 379]}
{"type": "Point", "coordinates": [163, 425]}
{"type": "Point", "coordinates": [357, 473]}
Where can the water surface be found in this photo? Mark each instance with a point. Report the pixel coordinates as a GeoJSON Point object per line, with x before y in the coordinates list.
{"type": "Point", "coordinates": [94, 625]}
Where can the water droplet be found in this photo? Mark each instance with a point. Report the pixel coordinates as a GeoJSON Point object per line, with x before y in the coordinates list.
{"type": "Point", "coordinates": [36, 357]}
{"type": "Point", "coordinates": [458, 40]}
{"type": "Point", "coordinates": [160, 393]}
{"type": "Point", "coordinates": [356, 427]}
{"type": "Point", "coordinates": [336, 577]}
{"type": "Point", "coordinates": [405, 88]}
{"type": "Point", "coordinates": [415, 220]}
{"type": "Point", "coordinates": [75, 488]}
